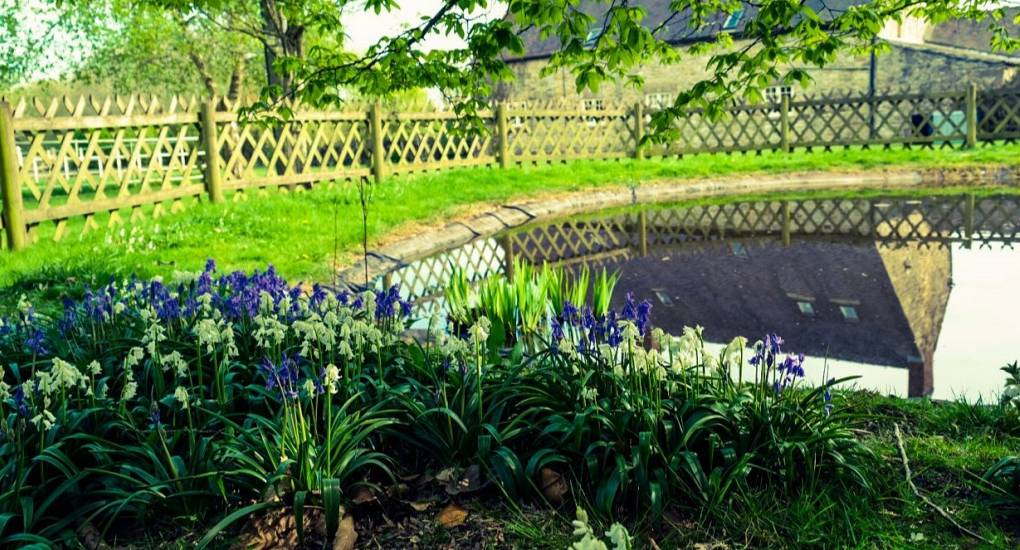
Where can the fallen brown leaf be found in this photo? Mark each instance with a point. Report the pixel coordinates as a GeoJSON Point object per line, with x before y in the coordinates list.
{"type": "Point", "coordinates": [452, 516]}
{"type": "Point", "coordinates": [363, 495]}
{"type": "Point", "coordinates": [554, 487]}
{"type": "Point", "coordinates": [420, 506]}
{"type": "Point", "coordinates": [346, 536]}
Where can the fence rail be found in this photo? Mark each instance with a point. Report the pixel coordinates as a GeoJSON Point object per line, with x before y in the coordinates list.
{"type": "Point", "coordinates": [77, 164]}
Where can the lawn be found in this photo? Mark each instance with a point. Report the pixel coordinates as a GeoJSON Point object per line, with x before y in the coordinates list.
{"type": "Point", "coordinates": [303, 233]}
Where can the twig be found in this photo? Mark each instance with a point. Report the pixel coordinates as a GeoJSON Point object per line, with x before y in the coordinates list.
{"type": "Point", "coordinates": [926, 500]}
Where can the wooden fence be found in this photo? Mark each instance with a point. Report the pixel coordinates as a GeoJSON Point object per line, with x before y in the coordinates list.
{"type": "Point", "coordinates": [69, 166]}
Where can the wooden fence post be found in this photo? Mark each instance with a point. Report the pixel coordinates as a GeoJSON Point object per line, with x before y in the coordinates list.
{"type": "Point", "coordinates": [787, 222]}
{"type": "Point", "coordinates": [211, 144]}
{"type": "Point", "coordinates": [972, 115]}
{"type": "Point", "coordinates": [504, 133]}
{"type": "Point", "coordinates": [10, 185]}
{"type": "Point", "coordinates": [784, 119]}
{"type": "Point", "coordinates": [507, 243]}
{"type": "Point", "coordinates": [643, 229]}
{"type": "Point", "coordinates": [968, 219]}
{"type": "Point", "coordinates": [639, 129]}
{"type": "Point", "coordinates": [378, 155]}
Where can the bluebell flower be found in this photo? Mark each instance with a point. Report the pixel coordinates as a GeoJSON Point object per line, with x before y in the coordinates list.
{"type": "Point", "coordinates": [20, 402]}
{"type": "Point", "coordinates": [318, 296]}
{"type": "Point", "coordinates": [268, 369]}
{"type": "Point", "coordinates": [570, 313]}
{"type": "Point", "coordinates": [36, 341]}
{"type": "Point", "coordinates": [587, 318]}
{"type": "Point", "coordinates": [827, 396]}
{"type": "Point", "coordinates": [210, 266]}
{"type": "Point", "coordinates": [386, 303]}
{"type": "Point", "coordinates": [70, 318]}
{"type": "Point", "coordinates": [557, 331]}
{"type": "Point", "coordinates": [154, 417]}
{"type": "Point", "coordinates": [629, 311]}
{"type": "Point", "coordinates": [644, 310]}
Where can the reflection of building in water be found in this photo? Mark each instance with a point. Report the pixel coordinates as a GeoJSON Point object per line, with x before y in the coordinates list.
{"type": "Point", "coordinates": [867, 279]}
{"type": "Point", "coordinates": [852, 299]}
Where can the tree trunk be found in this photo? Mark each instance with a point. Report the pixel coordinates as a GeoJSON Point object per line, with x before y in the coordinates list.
{"type": "Point", "coordinates": [237, 79]}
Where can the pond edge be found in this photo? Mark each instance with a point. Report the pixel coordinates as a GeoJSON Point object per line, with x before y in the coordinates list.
{"type": "Point", "coordinates": [464, 229]}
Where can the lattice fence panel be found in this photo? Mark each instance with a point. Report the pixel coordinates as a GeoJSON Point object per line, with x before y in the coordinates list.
{"type": "Point", "coordinates": [997, 220]}
{"type": "Point", "coordinates": [677, 225]}
{"type": "Point", "coordinates": [935, 120]}
{"type": "Point", "coordinates": [93, 158]}
{"type": "Point", "coordinates": [742, 128]}
{"type": "Point", "coordinates": [563, 241]}
{"type": "Point", "coordinates": [415, 141]}
{"type": "Point", "coordinates": [314, 146]}
{"type": "Point", "coordinates": [998, 116]}
{"type": "Point", "coordinates": [560, 134]}
{"type": "Point", "coordinates": [929, 220]}
{"type": "Point", "coordinates": [428, 276]}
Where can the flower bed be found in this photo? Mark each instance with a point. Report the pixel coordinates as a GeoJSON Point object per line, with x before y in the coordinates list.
{"type": "Point", "coordinates": [192, 404]}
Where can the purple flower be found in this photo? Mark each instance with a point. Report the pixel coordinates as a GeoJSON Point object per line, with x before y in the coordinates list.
{"type": "Point", "coordinates": [70, 317]}
{"type": "Point", "coordinates": [557, 330]}
{"type": "Point", "coordinates": [283, 376]}
{"type": "Point", "coordinates": [644, 310]}
{"type": "Point", "coordinates": [210, 266]}
{"type": "Point", "coordinates": [569, 313]}
{"type": "Point", "coordinates": [36, 341]}
{"type": "Point", "coordinates": [20, 403]}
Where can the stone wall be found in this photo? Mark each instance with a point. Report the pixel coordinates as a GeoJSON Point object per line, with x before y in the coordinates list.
{"type": "Point", "coordinates": [904, 67]}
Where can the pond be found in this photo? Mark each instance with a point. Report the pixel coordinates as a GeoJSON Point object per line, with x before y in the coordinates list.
{"type": "Point", "coordinates": [914, 296]}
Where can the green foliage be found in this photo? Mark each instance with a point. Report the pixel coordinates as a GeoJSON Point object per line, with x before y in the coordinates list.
{"type": "Point", "coordinates": [1004, 477]}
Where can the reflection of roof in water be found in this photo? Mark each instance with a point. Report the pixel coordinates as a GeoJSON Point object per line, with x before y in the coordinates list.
{"type": "Point", "coordinates": [747, 287]}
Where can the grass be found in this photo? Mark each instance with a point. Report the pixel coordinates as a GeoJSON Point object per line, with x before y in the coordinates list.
{"type": "Point", "coordinates": [302, 233]}
{"type": "Point", "coordinates": [949, 446]}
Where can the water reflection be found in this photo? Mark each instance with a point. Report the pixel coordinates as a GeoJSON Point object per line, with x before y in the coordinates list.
{"type": "Point", "coordinates": [901, 292]}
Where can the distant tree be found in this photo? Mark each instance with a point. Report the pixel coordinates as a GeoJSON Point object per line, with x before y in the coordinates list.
{"type": "Point", "coordinates": [27, 27]}
{"type": "Point", "coordinates": [169, 53]}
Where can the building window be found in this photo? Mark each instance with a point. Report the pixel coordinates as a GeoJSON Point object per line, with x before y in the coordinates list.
{"type": "Point", "coordinates": [806, 308]}
{"type": "Point", "coordinates": [849, 313]}
{"type": "Point", "coordinates": [659, 100]}
{"type": "Point", "coordinates": [738, 248]}
{"type": "Point", "coordinates": [775, 94]}
{"type": "Point", "coordinates": [663, 297]}
{"type": "Point", "coordinates": [593, 104]}
{"type": "Point", "coordinates": [733, 20]}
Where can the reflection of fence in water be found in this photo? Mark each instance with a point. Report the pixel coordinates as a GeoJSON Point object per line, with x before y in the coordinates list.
{"type": "Point", "coordinates": [597, 240]}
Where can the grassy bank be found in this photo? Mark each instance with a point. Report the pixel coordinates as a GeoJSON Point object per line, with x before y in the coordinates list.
{"type": "Point", "coordinates": [302, 234]}
{"type": "Point", "coordinates": [949, 447]}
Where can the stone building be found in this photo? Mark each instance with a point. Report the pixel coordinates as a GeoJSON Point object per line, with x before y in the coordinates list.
{"type": "Point", "coordinates": [921, 56]}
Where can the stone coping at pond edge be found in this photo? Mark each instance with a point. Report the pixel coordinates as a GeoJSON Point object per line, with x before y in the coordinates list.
{"type": "Point", "coordinates": [462, 230]}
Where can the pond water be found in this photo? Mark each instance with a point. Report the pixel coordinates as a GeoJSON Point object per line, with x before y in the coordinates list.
{"type": "Point", "coordinates": [917, 297]}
